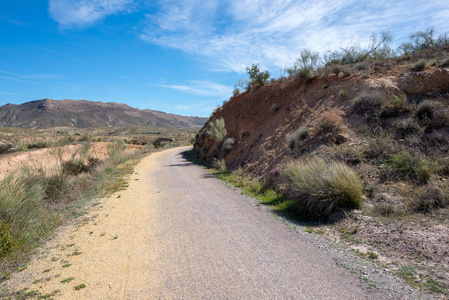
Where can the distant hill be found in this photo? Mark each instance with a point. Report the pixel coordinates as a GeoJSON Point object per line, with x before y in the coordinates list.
{"type": "Point", "coordinates": [48, 113]}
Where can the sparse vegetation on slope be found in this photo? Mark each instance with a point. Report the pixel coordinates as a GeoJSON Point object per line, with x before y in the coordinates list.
{"type": "Point", "coordinates": [380, 112]}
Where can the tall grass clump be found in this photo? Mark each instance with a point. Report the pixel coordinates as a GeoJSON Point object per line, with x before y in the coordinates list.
{"type": "Point", "coordinates": [217, 130]}
{"type": "Point", "coordinates": [7, 243]}
{"type": "Point", "coordinates": [22, 208]}
{"type": "Point", "coordinates": [116, 150]}
{"type": "Point", "coordinates": [220, 166]}
{"type": "Point", "coordinates": [319, 189]}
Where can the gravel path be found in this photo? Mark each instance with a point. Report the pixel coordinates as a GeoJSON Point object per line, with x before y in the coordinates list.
{"type": "Point", "coordinates": [212, 244]}
{"type": "Point", "coordinates": [179, 233]}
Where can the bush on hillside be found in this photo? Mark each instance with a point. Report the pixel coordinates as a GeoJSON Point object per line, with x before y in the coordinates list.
{"type": "Point", "coordinates": [228, 144]}
{"type": "Point", "coordinates": [430, 198]}
{"type": "Point", "coordinates": [368, 102]}
{"type": "Point", "coordinates": [330, 122]}
{"type": "Point", "coordinates": [257, 77]}
{"type": "Point", "coordinates": [305, 65]}
{"type": "Point", "coordinates": [377, 49]}
{"type": "Point", "coordinates": [419, 65]}
{"type": "Point", "coordinates": [420, 40]}
{"type": "Point", "coordinates": [319, 189]}
{"type": "Point", "coordinates": [296, 136]}
{"type": "Point", "coordinates": [409, 165]}
{"type": "Point", "coordinates": [217, 129]}
{"type": "Point", "coordinates": [440, 119]}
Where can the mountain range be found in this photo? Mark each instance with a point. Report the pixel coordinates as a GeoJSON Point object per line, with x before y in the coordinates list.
{"type": "Point", "coordinates": [48, 113]}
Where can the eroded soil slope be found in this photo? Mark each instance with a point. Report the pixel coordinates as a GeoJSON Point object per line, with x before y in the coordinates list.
{"type": "Point", "coordinates": [391, 127]}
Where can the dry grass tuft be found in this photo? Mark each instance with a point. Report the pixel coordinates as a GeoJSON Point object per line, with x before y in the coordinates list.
{"type": "Point", "coordinates": [319, 189]}
{"type": "Point", "coordinates": [330, 122]}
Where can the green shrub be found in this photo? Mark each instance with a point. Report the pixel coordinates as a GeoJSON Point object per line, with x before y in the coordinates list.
{"type": "Point", "coordinates": [217, 129]}
{"type": "Point", "coordinates": [257, 77]}
{"type": "Point", "coordinates": [380, 147]}
{"type": "Point", "coordinates": [397, 102]}
{"type": "Point", "coordinates": [368, 102]}
{"type": "Point", "coordinates": [407, 164]}
{"type": "Point", "coordinates": [85, 138]}
{"type": "Point", "coordinates": [21, 147]}
{"type": "Point", "coordinates": [7, 242]}
{"type": "Point", "coordinates": [298, 135]}
{"type": "Point", "coordinates": [116, 149]}
{"type": "Point", "coordinates": [406, 127]}
{"type": "Point", "coordinates": [378, 48]}
{"type": "Point", "coordinates": [220, 165]}
{"type": "Point", "coordinates": [319, 189]}
{"type": "Point", "coordinates": [305, 65]}
{"type": "Point", "coordinates": [419, 65]}
{"type": "Point", "coordinates": [420, 40]}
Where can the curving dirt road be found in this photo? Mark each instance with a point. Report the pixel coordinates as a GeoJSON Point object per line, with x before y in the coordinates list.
{"type": "Point", "coordinates": [177, 233]}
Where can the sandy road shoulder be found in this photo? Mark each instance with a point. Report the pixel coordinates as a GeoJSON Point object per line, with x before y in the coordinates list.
{"type": "Point", "coordinates": [100, 251]}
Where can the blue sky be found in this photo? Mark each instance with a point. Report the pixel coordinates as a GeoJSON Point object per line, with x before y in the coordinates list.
{"type": "Point", "coordinates": [183, 56]}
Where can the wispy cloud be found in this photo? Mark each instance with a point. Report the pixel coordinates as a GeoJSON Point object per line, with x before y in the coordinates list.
{"type": "Point", "coordinates": [202, 88]}
{"type": "Point", "coordinates": [204, 104]}
{"type": "Point", "coordinates": [124, 77]}
{"type": "Point", "coordinates": [81, 13]}
{"type": "Point", "coordinates": [231, 35]}
{"type": "Point", "coordinates": [39, 79]}
{"type": "Point", "coordinates": [57, 53]}
{"type": "Point", "coordinates": [14, 94]}
{"type": "Point", "coordinates": [14, 21]}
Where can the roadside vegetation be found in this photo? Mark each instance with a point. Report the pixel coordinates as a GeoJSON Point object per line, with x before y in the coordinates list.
{"type": "Point", "coordinates": [34, 201]}
{"type": "Point", "coordinates": [356, 150]}
{"type": "Point", "coordinates": [424, 48]}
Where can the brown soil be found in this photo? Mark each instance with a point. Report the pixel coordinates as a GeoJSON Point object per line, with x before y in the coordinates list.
{"type": "Point", "coordinates": [260, 120]}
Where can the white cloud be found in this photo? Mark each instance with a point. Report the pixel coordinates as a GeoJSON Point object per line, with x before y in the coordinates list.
{"type": "Point", "coordinates": [80, 13]}
{"type": "Point", "coordinates": [202, 88]}
{"type": "Point", "coordinates": [231, 35]}
{"type": "Point", "coordinates": [198, 104]}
